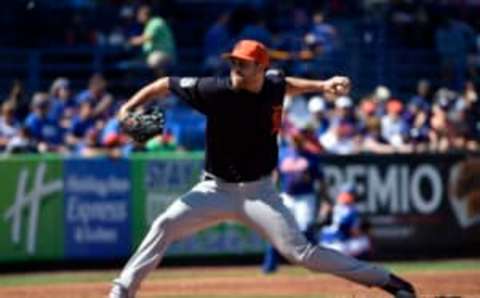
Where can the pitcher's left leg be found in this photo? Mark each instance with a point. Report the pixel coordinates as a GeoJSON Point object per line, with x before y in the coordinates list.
{"type": "Point", "coordinates": [270, 217]}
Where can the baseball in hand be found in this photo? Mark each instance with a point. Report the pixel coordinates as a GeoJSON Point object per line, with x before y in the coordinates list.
{"type": "Point", "coordinates": [338, 85]}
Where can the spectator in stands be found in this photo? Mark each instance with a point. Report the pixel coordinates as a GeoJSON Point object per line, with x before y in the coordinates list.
{"type": "Point", "coordinates": [18, 96]}
{"type": "Point", "coordinates": [9, 126]}
{"type": "Point", "coordinates": [96, 94]}
{"type": "Point", "coordinates": [394, 127]}
{"type": "Point", "coordinates": [343, 111]}
{"type": "Point", "coordinates": [417, 121]}
{"type": "Point", "coordinates": [81, 123]}
{"type": "Point", "coordinates": [373, 142]}
{"type": "Point", "coordinates": [380, 97]}
{"type": "Point", "coordinates": [344, 233]}
{"type": "Point", "coordinates": [416, 116]}
{"type": "Point", "coordinates": [216, 42]}
{"type": "Point", "coordinates": [292, 39]}
{"type": "Point", "coordinates": [340, 138]}
{"type": "Point", "coordinates": [44, 130]}
{"type": "Point", "coordinates": [322, 37]}
{"type": "Point", "coordinates": [89, 146]}
{"type": "Point", "coordinates": [300, 26]}
{"type": "Point", "coordinates": [318, 109]}
{"type": "Point", "coordinates": [257, 30]}
{"type": "Point", "coordinates": [365, 112]}
{"type": "Point", "coordinates": [61, 102]}
{"type": "Point", "coordinates": [454, 41]}
{"type": "Point", "coordinates": [461, 115]}
{"type": "Point", "coordinates": [111, 135]}
{"type": "Point", "coordinates": [441, 133]}
{"type": "Point", "coordinates": [22, 142]}
{"type": "Point", "coordinates": [296, 111]}
{"type": "Point", "coordinates": [472, 111]}
{"type": "Point", "coordinates": [130, 27]}
{"type": "Point", "coordinates": [422, 99]}
{"type": "Point", "coordinates": [156, 40]}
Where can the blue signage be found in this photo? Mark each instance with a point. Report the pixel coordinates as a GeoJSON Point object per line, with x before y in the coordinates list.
{"type": "Point", "coordinates": [97, 208]}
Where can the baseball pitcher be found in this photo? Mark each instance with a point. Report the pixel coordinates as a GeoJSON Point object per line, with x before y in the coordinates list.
{"type": "Point", "coordinates": [243, 113]}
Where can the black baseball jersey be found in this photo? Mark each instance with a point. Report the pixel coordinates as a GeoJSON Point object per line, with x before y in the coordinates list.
{"type": "Point", "coordinates": [242, 126]}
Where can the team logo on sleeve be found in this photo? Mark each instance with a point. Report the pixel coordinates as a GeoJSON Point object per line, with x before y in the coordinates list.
{"type": "Point", "coordinates": [188, 82]}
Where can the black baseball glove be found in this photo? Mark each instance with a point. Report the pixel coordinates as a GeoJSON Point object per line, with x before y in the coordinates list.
{"type": "Point", "coordinates": [142, 126]}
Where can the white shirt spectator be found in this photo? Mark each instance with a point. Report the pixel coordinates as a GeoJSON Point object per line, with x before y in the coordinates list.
{"type": "Point", "coordinates": [8, 130]}
{"type": "Point", "coordinates": [297, 111]}
{"type": "Point", "coordinates": [334, 143]}
{"type": "Point", "coordinates": [344, 102]}
{"type": "Point", "coordinates": [317, 104]}
{"type": "Point", "coordinates": [393, 130]}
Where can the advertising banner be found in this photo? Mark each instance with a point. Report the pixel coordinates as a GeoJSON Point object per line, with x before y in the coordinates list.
{"type": "Point", "coordinates": [97, 208]}
{"type": "Point", "coordinates": [55, 209]}
{"type": "Point", "coordinates": [416, 204]}
{"type": "Point", "coordinates": [31, 205]}
{"type": "Point", "coordinates": [158, 182]}
{"type": "Point", "coordinates": [224, 238]}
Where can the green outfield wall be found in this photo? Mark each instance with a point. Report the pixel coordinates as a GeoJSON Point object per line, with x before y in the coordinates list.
{"type": "Point", "coordinates": [62, 209]}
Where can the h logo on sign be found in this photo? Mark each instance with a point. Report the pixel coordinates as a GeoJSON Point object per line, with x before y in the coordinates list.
{"type": "Point", "coordinates": [29, 202]}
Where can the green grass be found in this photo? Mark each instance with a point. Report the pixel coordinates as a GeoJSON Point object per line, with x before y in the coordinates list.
{"type": "Point", "coordinates": [423, 266]}
{"type": "Point", "coordinates": [106, 276]}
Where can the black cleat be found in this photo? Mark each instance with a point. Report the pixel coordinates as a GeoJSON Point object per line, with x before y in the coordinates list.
{"type": "Point", "coordinates": [399, 287]}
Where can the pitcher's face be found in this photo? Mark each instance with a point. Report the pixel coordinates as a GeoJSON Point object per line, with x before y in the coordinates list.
{"type": "Point", "coordinates": [243, 72]}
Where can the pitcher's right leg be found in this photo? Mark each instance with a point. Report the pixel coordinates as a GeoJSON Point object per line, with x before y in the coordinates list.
{"type": "Point", "coordinates": [196, 210]}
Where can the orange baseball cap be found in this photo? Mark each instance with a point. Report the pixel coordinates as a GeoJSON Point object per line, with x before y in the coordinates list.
{"type": "Point", "coordinates": [368, 107]}
{"type": "Point", "coordinates": [346, 198]}
{"type": "Point", "coordinates": [250, 50]}
{"type": "Point", "coordinates": [395, 106]}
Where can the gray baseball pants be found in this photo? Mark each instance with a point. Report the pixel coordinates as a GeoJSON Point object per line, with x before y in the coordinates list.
{"type": "Point", "coordinates": [255, 204]}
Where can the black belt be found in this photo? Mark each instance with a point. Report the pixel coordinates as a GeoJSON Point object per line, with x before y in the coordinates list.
{"type": "Point", "coordinates": [208, 177]}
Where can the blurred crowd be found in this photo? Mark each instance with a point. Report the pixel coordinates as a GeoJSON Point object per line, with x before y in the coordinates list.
{"type": "Point", "coordinates": [437, 116]}
{"type": "Point", "coordinates": [431, 120]}
{"type": "Point", "coordinates": [65, 122]}
{"type": "Point", "coordinates": [84, 123]}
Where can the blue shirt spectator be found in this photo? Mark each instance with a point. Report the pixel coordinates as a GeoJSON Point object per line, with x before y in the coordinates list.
{"type": "Point", "coordinates": [218, 39]}
{"type": "Point", "coordinates": [345, 219]}
{"type": "Point", "coordinates": [81, 126]}
{"type": "Point", "coordinates": [97, 95]}
{"type": "Point", "coordinates": [257, 31]}
{"type": "Point", "coordinates": [298, 171]}
{"type": "Point", "coordinates": [61, 103]}
{"type": "Point", "coordinates": [216, 42]}
{"type": "Point", "coordinates": [322, 36]}
{"type": "Point", "coordinates": [111, 134]}
{"type": "Point", "coordinates": [9, 126]}
{"type": "Point", "coordinates": [82, 122]}
{"type": "Point", "coordinates": [39, 125]}
{"type": "Point", "coordinates": [420, 101]}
